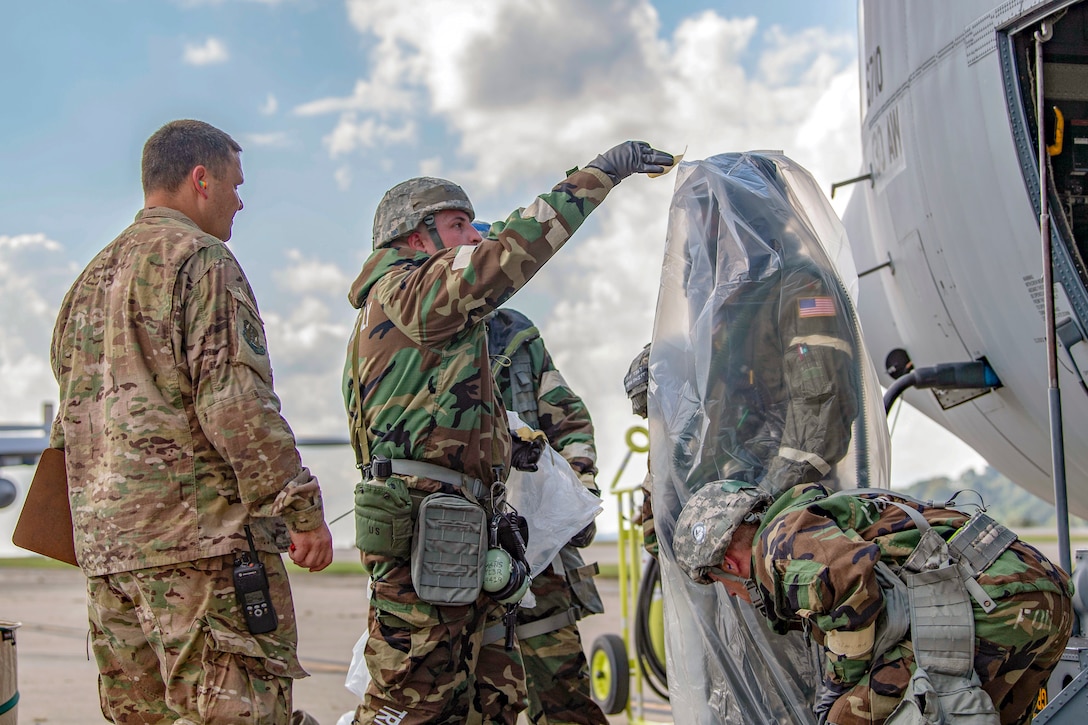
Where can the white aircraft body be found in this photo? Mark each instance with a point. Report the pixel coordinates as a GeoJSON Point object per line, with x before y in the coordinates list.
{"type": "Point", "coordinates": [21, 444]}
{"type": "Point", "coordinates": [948, 222]}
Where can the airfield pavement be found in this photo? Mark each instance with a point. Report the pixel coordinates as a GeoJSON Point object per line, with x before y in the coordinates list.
{"type": "Point", "coordinates": [58, 682]}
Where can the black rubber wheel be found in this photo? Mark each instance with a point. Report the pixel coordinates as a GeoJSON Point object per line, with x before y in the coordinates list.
{"type": "Point", "coordinates": [609, 673]}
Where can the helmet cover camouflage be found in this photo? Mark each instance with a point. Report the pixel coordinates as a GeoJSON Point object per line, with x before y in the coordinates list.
{"type": "Point", "coordinates": [706, 524]}
{"type": "Point", "coordinates": [637, 381]}
{"type": "Point", "coordinates": [410, 202]}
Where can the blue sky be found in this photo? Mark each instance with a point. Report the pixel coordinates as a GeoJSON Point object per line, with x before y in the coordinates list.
{"type": "Point", "coordinates": [334, 102]}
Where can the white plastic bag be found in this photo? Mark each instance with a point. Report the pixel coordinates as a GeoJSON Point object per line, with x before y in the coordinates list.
{"type": "Point", "coordinates": [358, 675]}
{"type": "Point", "coordinates": [554, 502]}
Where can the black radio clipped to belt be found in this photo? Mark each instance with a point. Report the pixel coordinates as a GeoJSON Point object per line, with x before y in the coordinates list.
{"type": "Point", "coordinates": [251, 590]}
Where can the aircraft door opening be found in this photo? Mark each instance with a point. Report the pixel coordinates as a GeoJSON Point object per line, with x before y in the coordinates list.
{"type": "Point", "coordinates": [1065, 99]}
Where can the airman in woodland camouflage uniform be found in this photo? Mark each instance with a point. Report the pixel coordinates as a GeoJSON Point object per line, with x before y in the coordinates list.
{"type": "Point", "coordinates": [637, 382]}
{"type": "Point", "coordinates": [556, 670]}
{"type": "Point", "coordinates": [174, 444]}
{"type": "Point", "coordinates": [817, 563]}
{"type": "Point", "coordinates": [419, 389]}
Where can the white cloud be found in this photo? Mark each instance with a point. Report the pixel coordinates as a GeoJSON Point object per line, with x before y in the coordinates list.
{"type": "Point", "coordinates": [307, 338]}
{"type": "Point", "coordinates": [271, 105]}
{"type": "Point", "coordinates": [526, 91]}
{"type": "Point", "coordinates": [274, 138]}
{"type": "Point", "coordinates": [431, 166]}
{"type": "Point", "coordinates": [210, 52]}
{"type": "Point", "coordinates": [304, 275]}
{"type": "Point", "coordinates": [383, 94]}
{"type": "Point", "coordinates": [343, 177]}
{"type": "Point", "coordinates": [945, 455]}
{"type": "Point", "coordinates": [801, 55]}
{"type": "Point", "coordinates": [351, 134]}
{"type": "Point", "coordinates": [34, 275]}
{"type": "Point", "coordinates": [27, 241]}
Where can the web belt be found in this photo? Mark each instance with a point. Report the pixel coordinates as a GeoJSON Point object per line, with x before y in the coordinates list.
{"type": "Point", "coordinates": [419, 469]}
{"type": "Point", "coordinates": [533, 629]}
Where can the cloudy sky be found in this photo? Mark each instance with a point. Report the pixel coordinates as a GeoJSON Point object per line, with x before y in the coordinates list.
{"type": "Point", "coordinates": [334, 102]}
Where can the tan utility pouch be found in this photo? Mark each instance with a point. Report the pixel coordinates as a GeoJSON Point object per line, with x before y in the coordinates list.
{"type": "Point", "coordinates": [448, 550]}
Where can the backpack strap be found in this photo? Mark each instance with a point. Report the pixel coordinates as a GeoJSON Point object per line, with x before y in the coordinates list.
{"type": "Point", "coordinates": [522, 389]}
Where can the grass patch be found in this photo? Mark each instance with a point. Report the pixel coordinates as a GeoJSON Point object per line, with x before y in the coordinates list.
{"type": "Point", "coordinates": [32, 562]}
{"type": "Point", "coordinates": [339, 568]}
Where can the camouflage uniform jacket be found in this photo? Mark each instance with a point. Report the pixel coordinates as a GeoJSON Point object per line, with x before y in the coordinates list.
{"type": "Point", "coordinates": [559, 412]}
{"type": "Point", "coordinates": [782, 392]}
{"type": "Point", "coordinates": [427, 389]}
{"type": "Point", "coordinates": [171, 429]}
{"type": "Point", "coordinates": [814, 561]}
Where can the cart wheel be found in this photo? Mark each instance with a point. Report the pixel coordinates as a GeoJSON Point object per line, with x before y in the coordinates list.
{"type": "Point", "coordinates": [609, 673]}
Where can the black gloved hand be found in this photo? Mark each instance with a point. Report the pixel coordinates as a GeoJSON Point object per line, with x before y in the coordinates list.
{"type": "Point", "coordinates": [631, 157]}
{"type": "Point", "coordinates": [584, 537]}
{"type": "Point", "coordinates": [525, 454]}
{"type": "Point", "coordinates": [827, 695]}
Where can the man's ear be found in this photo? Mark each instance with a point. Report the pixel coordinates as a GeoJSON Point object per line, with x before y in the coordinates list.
{"type": "Point", "coordinates": [415, 241]}
{"type": "Point", "coordinates": [730, 563]}
{"type": "Point", "coordinates": [198, 177]}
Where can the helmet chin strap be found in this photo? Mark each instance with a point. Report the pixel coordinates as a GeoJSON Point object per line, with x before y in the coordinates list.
{"type": "Point", "coordinates": [753, 591]}
{"type": "Point", "coordinates": [428, 221]}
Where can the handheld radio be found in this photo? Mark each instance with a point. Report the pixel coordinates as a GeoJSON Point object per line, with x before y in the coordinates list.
{"type": "Point", "coordinates": [251, 590]}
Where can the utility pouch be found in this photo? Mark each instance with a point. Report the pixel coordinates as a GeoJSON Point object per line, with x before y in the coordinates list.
{"type": "Point", "coordinates": [942, 621]}
{"type": "Point", "coordinates": [936, 699]}
{"type": "Point", "coordinates": [580, 578]}
{"type": "Point", "coordinates": [383, 517]}
{"type": "Point", "coordinates": [978, 543]}
{"type": "Point", "coordinates": [449, 549]}
{"type": "Point", "coordinates": [893, 622]}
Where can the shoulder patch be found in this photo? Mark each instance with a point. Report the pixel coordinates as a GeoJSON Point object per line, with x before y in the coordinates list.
{"type": "Point", "coordinates": [816, 307]}
{"type": "Point", "coordinates": [252, 336]}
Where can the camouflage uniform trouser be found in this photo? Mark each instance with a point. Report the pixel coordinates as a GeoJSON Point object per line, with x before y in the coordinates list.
{"type": "Point", "coordinates": [172, 646]}
{"type": "Point", "coordinates": [556, 670]}
{"type": "Point", "coordinates": [1016, 647]}
{"type": "Point", "coordinates": [427, 663]}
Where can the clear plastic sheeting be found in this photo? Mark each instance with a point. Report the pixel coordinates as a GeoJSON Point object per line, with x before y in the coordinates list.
{"type": "Point", "coordinates": [757, 373]}
{"type": "Point", "coordinates": [553, 501]}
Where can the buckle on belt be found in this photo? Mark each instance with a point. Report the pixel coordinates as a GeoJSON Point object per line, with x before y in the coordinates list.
{"type": "Point", "coordinates": [420, 469]}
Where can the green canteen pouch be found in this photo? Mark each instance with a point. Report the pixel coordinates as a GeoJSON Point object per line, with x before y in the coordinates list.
{"type": "Point", "coordinates": [383, 517]}
{"type": "Point", "coordinates": [448, 550]}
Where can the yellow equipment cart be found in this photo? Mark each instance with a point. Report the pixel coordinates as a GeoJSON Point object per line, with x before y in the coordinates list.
{"type": "Point", "coordinates": [611, 668]}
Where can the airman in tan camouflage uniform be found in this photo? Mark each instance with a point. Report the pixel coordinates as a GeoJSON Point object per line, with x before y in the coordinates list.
{"type": "Point", "coordinates": [419, 389]}
{"type": "Point", "coordinates": [556, 670]}
{"type": "Point", "coordinates": [174, 444]}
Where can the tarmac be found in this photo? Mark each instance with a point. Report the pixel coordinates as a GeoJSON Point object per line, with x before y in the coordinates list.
{"type": "Point", "coordinates": [57, 678]}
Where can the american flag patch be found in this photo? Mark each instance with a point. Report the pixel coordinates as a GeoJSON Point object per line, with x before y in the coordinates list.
{"type": "Point", "coordinates": [816, 307]}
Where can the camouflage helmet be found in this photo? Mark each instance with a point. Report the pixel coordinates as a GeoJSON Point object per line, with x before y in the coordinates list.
{"type": "Point", "coordinates": [706, 524]}
{"type": "Point", "coordinates": [409, 203]}
{"type": "Point", "coordinates": [637, 381]}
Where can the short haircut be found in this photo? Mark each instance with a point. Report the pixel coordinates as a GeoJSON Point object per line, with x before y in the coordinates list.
{"type": "Point", "coordinates": [172, 152]}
